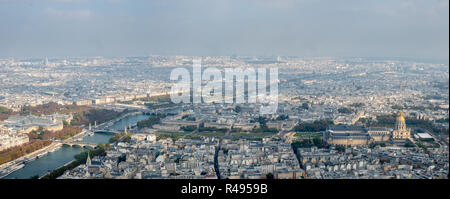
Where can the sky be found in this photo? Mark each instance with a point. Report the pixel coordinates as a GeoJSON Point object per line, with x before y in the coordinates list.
{"type": "Point", "coordinates": [304, 28]}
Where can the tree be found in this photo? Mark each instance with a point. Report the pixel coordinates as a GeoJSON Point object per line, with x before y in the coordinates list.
{"type": "Point", "coordinates": [19, 151]}
{"type": "Point", "coordinates": [318, 125]}
{"type": "Point", "coordinates": [442, 120]}
{"type": "Point", "coordinates": [398, 107]}
{"type": "Point", "coordinates": [237, 109]}
{"type": "Point", "coordinates": [269, 176]}
{"type": "Point", "coordinates": [283, 117]}
{"type": "Point", "coordinates": [305, 106]}
{"type": "Point", "coordinates": [318, 142]}
{"type": "Point", "coordinates": [148, 123]}
{"type": "Point", "coordinates": [340, 148]}
{"type": "Point", "coordinates": [101, 145]}
{"type": "Point", "coordinates": [79, 159]}
{"type": "Point", "coordinates": [345, 110]}
{"type": "Point", "coordinates": [262, 121]}
{"type": "Point", "coordinates": [409, 144]}
{"type": "Point", "coordinates": [4, 110]}
{"type": "Point", "coordinates": [357, 105]}
{"type": "Point", "coordinates": [99, 115]}
{"type": "Point", "coordinates": [40, 129]}
{"type": "Point", "coordinates": [308, 143]}
{"type": "Point", "coordinates": [189, 128]}
{"type": "Point", "coordinates": [34, 177]}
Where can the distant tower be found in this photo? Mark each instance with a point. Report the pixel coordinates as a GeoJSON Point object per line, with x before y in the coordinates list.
{"type": "Point", "coordinates": [88, 160]}
{"type": "Point", "coordinates": [95, 124]}
{"type": "Point", "coordinates": [400, 131]}
{"type": "Point", "coordinates": [90, 126]}
{"type": "Point", "coordinates": [88, 163]}
{"type": "Point", "coordinates": [87, 174]}
{"type": "Point", "coordinates": [279, 59]}
{"type": "Point", "coordinates": [125, 128]}
{"type": "Point", "coordinates": [46, 61]}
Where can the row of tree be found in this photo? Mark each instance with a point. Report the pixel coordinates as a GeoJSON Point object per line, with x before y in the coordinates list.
{"type": "Point", "coordinates": [52, 107]}
{"type": "Point", "coordinates": [189, 128]}
{"type": "Point", "coordinates": [148, 123]}
{"type": "Point", "coordinates": [92, 115]}
{"type": "Point", "coordinates": [4, 109]}
{"type": "Point", "coordinates": [345, 110]}
{"type": "Point", "coordinates": [126, 137]}
{"type": "Point", "coordinates": [318, 125]}
{"type": "Point", "coordinates": [66, 132]}
{"type": "Point", "coordinates": [205, 129]}
{"type": "Point", "coordinates": [4, 113]}
{"type": "Point", "coordinates": [308, 143]}
{"type": "Point", "coordinates": [19, 151]}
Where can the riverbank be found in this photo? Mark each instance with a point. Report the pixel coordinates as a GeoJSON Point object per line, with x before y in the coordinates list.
{"type": "Point", "coordinates": [112, 122]}
{"type": "Point", "coordinates": [64, 155]}
{"type": "Point", "coordinates": [50, 172]}
{"type": "Point", "coordinates": [79, 159]}
{"type": "Point", "coordinates": [7, 167]}
{"type": "Point", "coordinates": [14, 165]}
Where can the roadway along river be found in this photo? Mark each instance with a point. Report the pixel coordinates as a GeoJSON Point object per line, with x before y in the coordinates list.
{"type": "Point", "coordinates": [58, 158]}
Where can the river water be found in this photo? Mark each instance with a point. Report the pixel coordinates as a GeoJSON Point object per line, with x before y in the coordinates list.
{"type": "Point", "coordinates": [119, 125]}
{"type": "Point", "coordinates": [58, 158]}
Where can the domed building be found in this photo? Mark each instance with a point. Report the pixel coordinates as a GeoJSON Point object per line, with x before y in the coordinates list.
{"type": "Point", "coordinates": [400, 131]}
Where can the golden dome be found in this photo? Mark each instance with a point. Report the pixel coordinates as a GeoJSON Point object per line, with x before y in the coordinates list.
{"type": "Point", "coordinates": [400, 117]}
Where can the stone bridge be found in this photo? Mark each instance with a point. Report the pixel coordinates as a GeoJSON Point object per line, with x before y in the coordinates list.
{"type": "Point", "coordinates": [80, 144]}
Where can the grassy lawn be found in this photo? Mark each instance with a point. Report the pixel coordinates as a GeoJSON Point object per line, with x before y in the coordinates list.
{"type": "Point", "coordinates": [173, 132]}
{"type": "Point", "coordinates": [211, 134]}
{"type": "Point", "coordinates": [427, 145]}
{"type": "Point", "coordinates": [170, 134]}
{"type": "Point", "coordinates": [177, 135]}
{"type": "Point", "coordinates": [252, 135]}
{"type": "Point", "coordinates": [307, 135]}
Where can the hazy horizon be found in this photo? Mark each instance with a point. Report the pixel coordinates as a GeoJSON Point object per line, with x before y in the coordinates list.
{"type": "Point", "coordinates": [416, 29]}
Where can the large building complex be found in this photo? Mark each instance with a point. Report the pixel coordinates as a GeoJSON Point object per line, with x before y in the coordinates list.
{"type": "Point", "coordinates": [26, 124]}
{"type": "Point", "coordinates": [11, 138]}
{"type": "Point", "coordinates": [358, 135]}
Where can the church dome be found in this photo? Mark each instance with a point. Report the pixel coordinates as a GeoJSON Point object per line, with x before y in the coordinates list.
{"type": "Point", "coordinates": [400, 117]}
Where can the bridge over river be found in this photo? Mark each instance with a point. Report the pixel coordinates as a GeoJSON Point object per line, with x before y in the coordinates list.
{"type": "Point", "coordinates": [80, 144]}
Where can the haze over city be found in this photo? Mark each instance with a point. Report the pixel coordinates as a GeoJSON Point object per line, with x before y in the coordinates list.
{"type": "Point", "coordinates": [305, 28]}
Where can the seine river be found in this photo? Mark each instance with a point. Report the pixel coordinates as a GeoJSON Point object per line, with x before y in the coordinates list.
{"type": "Point", "coordinates": [58, 158]}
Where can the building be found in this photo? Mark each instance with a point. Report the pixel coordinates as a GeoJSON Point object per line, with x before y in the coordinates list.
{"type": "Point", "coordinates": [26, 124]}
{"type": "Point", "coordinates": [217, 125]}
{"type": "Point", "coordinates": [11, 138]}
{"type": "Point", "coordinates": [347, 135]}
{"type": "Point", "coordinates": [424, 137]}
{"type": "Point", "coordinates": [83, 102]}
{"type": "Point", "coordinates": [59, 117]}
{"type": "Point", "coordinates": [358, 135]}
{"type": "Point", "coordinates": [400, 131]}
{"type": "Point", "coordinates": [380, 134]}
{"type": "Point", "coordinates": [142, 137]}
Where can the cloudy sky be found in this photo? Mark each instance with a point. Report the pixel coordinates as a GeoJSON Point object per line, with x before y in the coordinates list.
{"type": "Point", "coordinates": [368, 28]}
